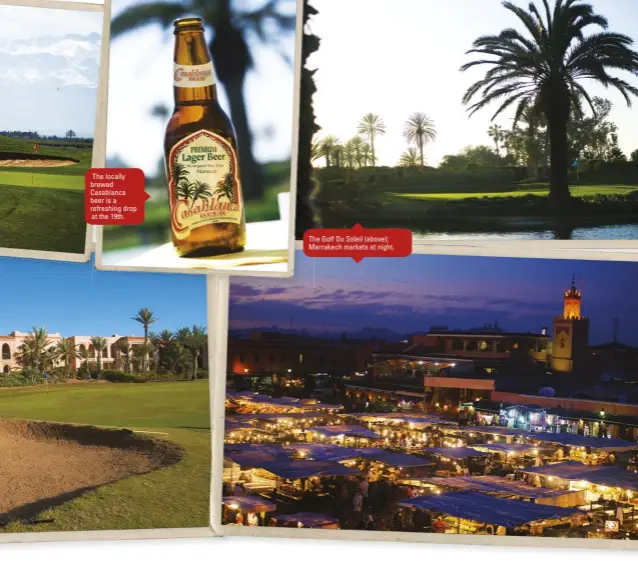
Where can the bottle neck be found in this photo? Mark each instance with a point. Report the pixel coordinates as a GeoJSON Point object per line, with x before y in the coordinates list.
{"type": "Point", "coordinates": [193, 73]}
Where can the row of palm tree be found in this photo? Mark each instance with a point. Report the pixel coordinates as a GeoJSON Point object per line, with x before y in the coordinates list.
{"type": "Point", "coordinates": [418, 131]}
{"type": "Point", "coordinates": [177, 352]}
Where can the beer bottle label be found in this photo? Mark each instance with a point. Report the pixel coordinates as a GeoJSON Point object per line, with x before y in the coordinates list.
{"type": "Point", "coordinates": [197, 76]}
{"type": "Point", "coordinates": [204, 183]}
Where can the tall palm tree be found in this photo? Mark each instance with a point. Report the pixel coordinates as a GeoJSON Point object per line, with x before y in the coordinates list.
{"type": "Point", "coordinates": [146, 318]}
{"type": "Point", "coordinates": [99, 344]}
{"type": "Point", "coordinates": [410, 158]}
{"type": "Point", "coordinates": [66, 352]}
{"type": "Point", "coordinates": [546, 67]}
{"type": "Point", "coordinates": [371, 125]}
{"type": "Point", "coordinates": [230, 51]}
{"type": "Point", "coordinates": [316, 151]}
{"type": "Point", "coordinates": [419, 129]}
{"type": "Point", "coordinates": [327, 147]}
{"type": "Point", "coordinates": [124, 348]}
{"type": "Point", "coordinates": [366, 154]}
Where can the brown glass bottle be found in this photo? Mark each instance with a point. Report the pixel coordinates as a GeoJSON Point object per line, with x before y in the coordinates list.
{"type": "Point", "coordinates": [200, 148]}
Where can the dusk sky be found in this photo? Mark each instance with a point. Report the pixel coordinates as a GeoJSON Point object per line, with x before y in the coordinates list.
{"type": "Point", "coordinates": [75, 299]}
{"type": "Point", "coordinates": [413, 294]}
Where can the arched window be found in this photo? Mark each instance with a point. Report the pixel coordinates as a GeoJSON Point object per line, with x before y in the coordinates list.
{"type": "Point", "coordinates": [6, 369]}
{"type": "Point", "coordinates": [91, 351]}
{"type": "Point", "coordinates": [105, 352]}
{"type": "Point", "coordinates": [82, 349]}
{"type": "Point", "coordinates": [6, 352]}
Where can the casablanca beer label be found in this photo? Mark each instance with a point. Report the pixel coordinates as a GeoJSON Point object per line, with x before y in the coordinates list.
{"type": "Point", "coordinates": [204, 185]}
{"type": "Point", "coordinates": [193, 76]}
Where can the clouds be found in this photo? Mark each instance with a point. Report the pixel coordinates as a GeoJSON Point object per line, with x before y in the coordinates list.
{"type": "Point", "coordinates": [413, 294]}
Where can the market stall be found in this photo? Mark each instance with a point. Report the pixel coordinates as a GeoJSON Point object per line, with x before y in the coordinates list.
{"type": "Point", "coordinates": [505, 488]}
{"type": "Point", "coordinates": [246, 511]}
{"type": "Point", "coordinates": [457, 460]}
{"type": "Point", "coordinates": [476, 513]}
{"type": "Point", "coordinates": [344, 435]}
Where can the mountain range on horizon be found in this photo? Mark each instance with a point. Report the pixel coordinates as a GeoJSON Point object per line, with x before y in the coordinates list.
{"type": "Point", "coordinates": [49, 83]}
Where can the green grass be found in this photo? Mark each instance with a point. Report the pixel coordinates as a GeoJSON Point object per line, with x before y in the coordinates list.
{"type": "Point", "coordinates": [45, 179]}
{"type": "Point", "coordinates": [541, 191]}
{"type": "Point", "coordinates": [172, 497]}
{"type": "Point", "coordinates": [42, 209]}
{"type": "Point", "coordinates": [42, 219]}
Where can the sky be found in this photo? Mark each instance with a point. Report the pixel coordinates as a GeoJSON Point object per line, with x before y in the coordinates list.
{"type": "Point", "coordinates": [49, 66]}
{"type": "Point", "coordinates": [75, 299]}
{"type": "Point", "coordinates": [394, 58]}
{"type": "Point", "coordinates": [413, 294]}
{"type": "Point", "coordinates": [140, 77]}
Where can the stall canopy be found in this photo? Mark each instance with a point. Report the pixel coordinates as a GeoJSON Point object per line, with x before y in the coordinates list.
{"type": "Point", "coordinates": [418, 421]}
{"type": "Point", "coordinates": [566, 439]}
{"type": "Point", "coordinates": [394, 459]}
{"type": "Point", "coordinates": [494, 485]}
{"type": "Point", "coordinates": [487, 509]}
{"type": "Point", "coordinates": [608, 476]}
{"type": "Point", "coordinates": [456, 453]}
{"type": "Point", "coordinates": [324, 451]}
{"type": "Point", "coordinates": [249, 504]}
{"type": "Point", "coordinates": [505, 448]}
{"type": "Point", "coordinates": [307, 519]}
{"type": "Point", "coordinates": [605, 444]}
{"type": "Point", "coordinates": [346, 430]}
{"type": "Point", "coordinates": [248, 455]}
{"type": "Point", "coordinates": [302, 469]}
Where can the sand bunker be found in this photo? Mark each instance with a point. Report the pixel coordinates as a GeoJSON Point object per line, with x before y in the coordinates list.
{"type": "Point", "coordinates": [45, 464]}
{"type": "Point", "coordinates": [16, 160]}
{"type": "Point", "coordinates": [43, 163]}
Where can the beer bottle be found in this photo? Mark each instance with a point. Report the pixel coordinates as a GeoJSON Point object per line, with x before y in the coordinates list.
{"type": "Point", "coordinates": [200, 147]}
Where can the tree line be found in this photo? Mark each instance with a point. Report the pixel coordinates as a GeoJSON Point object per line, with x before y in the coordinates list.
{"type": "Point", "coordinates": [177, 352]}
{"type": "Point", "coordinates": [418, 131]}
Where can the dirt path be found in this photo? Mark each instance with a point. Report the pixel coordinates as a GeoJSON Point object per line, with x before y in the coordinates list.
{"type": "Point", "coordinates": [35, 163]}
{"type": "Point", "coordinates": [45, 464]}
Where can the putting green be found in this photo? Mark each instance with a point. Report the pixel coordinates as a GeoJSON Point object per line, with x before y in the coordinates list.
{"type": "Point", "coordinates": [28, 178]}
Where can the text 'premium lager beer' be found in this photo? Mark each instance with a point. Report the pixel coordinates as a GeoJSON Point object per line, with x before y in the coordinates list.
{"type": "Point", "coordinates": [207, 208]}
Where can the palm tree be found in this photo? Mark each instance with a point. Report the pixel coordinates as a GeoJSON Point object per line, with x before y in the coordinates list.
{"type": "Point", "coordinates": [366, 154]}
{"type": "Point", "coordinates": [371, 125]}
{"type": "Point", "coordinates": [32, 352]}
{"type": "Point", "coordinates": [546, 69]}
{"type": "Point", "coordinates": [327, 146]}
{"type": "Point", "coordinates": [348, 152]}
{"type": "Point", "coordinates": [230, 51]}
{"type": "Point", "coordinates": [124, 347]}
{"type": "Point", "coordinates": [496, 133]}
{"type": "Point", "coordinates": [410, 158]}
{"type": "Point", "coordinates": [316, 151]}
{"type": "Point", "coordinates": [201, 190]}
{"type": "Point", "coordinates": [357, 149]}
{"type": "Point", "coordinates": [419, 129]}
{"type": "Point", "coordinates": [83, 353]}
{"type": "Point", "coordinates": [146, 318]}
{"type": "Point", "coordinates": [184, 190]}
{"type": "Point", "coordinates": [66, 352]}
{"type": "Point", "coordinates": [99, 344]}
{"type": "Point", "coordinates": [194, 339]}
{"type": "Point", "coordinates": [161, 342]}
{"type": "Point", "coordinates": [226, 188]}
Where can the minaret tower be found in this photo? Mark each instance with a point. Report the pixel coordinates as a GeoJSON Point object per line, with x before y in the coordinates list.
{"type": "Point", "coordinates": [571, 333]}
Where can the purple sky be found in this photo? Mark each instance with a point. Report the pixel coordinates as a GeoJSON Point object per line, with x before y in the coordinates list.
{"type": "Point", "coordinates": [413, 294]}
